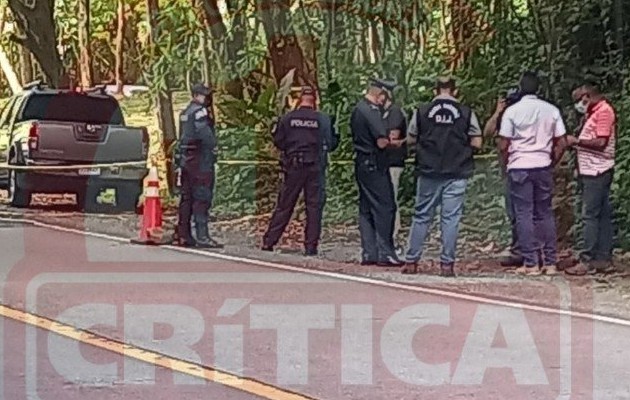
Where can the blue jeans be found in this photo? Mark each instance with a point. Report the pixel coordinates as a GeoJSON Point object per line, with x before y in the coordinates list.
{"type": "Point", "coordinates": [515, 247]}
{"type": "Point", "coordinates": [430, 193]}
{"type": "Point", "coordinates": [531, 195]}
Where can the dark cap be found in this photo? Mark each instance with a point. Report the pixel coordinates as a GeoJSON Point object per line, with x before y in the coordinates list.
{"type": "Point", "coordinates": [307, 91]}
{"type": "Point", "coordinates": [446, 81]}
{"type": "Point", "coordinates": [383, 84]}
{"type": "Point", "coordinates": [512, 91]}
{"type": "Point", "coordinates": [200, 88]}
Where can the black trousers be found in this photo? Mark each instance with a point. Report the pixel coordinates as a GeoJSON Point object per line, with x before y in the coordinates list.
{"type": "Point", "coordinates": [298, 179]}
{"type": "Point", "coordinates": [377, 210]}
{"type": "Point", "coordinates": [597, 213]}
{"type": "Point", "coordinates": [195, 198]}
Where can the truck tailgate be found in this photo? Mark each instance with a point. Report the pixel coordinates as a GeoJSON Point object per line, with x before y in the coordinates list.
{"type": "Point", "coordinates": [71, 142]}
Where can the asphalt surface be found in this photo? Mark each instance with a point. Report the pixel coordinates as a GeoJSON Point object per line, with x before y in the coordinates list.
{"type": "Point", "coordinates": [316, 335]}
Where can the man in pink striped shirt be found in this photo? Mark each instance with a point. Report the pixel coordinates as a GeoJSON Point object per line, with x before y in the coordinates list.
{"type": "Point", "coordinates": [595, 149]}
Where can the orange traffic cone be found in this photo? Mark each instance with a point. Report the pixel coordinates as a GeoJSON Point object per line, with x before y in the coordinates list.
{"type": "Point", "coordinates": [151, 231]}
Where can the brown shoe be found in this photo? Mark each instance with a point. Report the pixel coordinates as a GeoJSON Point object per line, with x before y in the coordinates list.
{"type": "Point", "coordinates": [511, 261]}
{"type": "Point", "coordinates": [604, 267]}
{"type": "Point", "coordinates": [528, 271]}
{"type": "Point", "coordinates": [447, 270]}
{"type": "Point", "coordinates": [550, 270]}
{"type": "Point", "coordinates": [580, 270]}
{"type": "Point", "coordinates": [409, 269]}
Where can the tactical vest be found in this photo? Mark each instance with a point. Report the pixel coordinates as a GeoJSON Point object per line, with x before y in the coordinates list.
{"type": "Point", "coordinates": [303, 140]}
{"type": "Point", "coordinates": [443, 146]}
{"type": "Point", "coordinates": [189, 144]}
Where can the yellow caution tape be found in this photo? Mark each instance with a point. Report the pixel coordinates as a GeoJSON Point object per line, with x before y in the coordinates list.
{"type": "Point", "coordinates": [333, 162]}
{"type": "Point", "coordinates": [144, 164]}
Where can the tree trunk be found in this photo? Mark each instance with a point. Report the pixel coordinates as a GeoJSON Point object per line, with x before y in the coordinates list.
{"type": "Point", "coordinates": [120, 47]}
{"type": "Point", "coordinates": [9, 72]}
{"type": "Point", "coordinates": [85, 53]}
{"type": "Point", "coordinates": [206, 72]}
{"type": "Point", "coordinates": [26, 65]}
{"type": "Point", "coordinates": [5, 63]}
{"type": "Point", "coordinates": [228, 55]}
{"type": "Point", "coordinates": [284, 49]}
{"type": "Point", "coordinates": [132, 69]}
{"type": "Point", "coordinates": [164, 99]}
{"type": "Point", "coordinates": [39, 37]}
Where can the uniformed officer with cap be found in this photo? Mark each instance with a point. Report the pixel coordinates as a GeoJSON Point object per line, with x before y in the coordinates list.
{"type": "Point", "coordinates": [302, 135]}
{"type": "Point", "coordinates": [197, 148]}
{"type": "Point", "coordinates": [377, 208]}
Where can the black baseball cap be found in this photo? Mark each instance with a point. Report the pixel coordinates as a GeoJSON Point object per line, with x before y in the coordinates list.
{"type": "Point", "coordinates": [384, 84]}
{"type": "Point", "coordinates": [447, 81]}
{"type": "Point", "coordinates": [200, 88]}
{"type": "Point", "coordinates": [307, 91]}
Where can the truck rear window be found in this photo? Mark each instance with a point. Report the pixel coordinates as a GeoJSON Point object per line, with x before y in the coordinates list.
{"type": "Point", "coordinates": [72, 108]}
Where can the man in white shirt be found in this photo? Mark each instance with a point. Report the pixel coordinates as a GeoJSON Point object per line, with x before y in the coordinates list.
{"type": "Point", "coordinates": [533, 139]}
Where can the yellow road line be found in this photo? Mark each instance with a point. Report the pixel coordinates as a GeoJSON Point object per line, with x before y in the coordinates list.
{"type": "Point", "coordinates": [248, 385]}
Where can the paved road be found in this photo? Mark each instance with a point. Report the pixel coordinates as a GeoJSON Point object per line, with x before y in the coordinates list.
{"type": "Point", "coordinates": [282, 331]}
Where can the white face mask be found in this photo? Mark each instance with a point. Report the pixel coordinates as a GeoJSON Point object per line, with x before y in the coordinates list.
{"type": "Point", "coordinates": [581, 107]}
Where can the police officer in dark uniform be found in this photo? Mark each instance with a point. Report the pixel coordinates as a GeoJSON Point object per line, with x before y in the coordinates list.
{"type": "Point", "coordinates": [196, 169]}
{"type": "Point", "coordinates": [377, 208]}
{"type": "Point", "coordinates": [301, 135]}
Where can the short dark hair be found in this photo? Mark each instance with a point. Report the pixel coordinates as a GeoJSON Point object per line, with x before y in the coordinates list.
{"type": "Point", "coordinates": [592, 88]}
{"type": "Point", "coordinates": [530, 84]}
{"type": "Point", "coordinates": [446, 83]}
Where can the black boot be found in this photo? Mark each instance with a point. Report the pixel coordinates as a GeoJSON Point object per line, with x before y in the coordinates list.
{"type": "Point", "coordinates": [203, 238]}
{"type": "Point", "coordinates": [310, 252]}
{"type": "Point", "coordinates": [178, 240]}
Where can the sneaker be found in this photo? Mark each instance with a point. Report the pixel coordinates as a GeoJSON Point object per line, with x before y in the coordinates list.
{"type": "Point", "coordinates": [391, 261]}
{"type": "Point", "coordinates": [605, 267]}
{"type": "Point", "coordinates": [266, 248]}
{"type": "Point", "coordinates": [550, 270]}
{"type": "Point", "coordinates": [447, 270]}
{"type": "Point", "coordinates": [511, 261]}
{"type": "Point", "coordinates": [580, 270]}
{"type": "Point", "coordinates": [528, 271]}
{"type": "Point", "coordinates": [367, 263]}
{"type": "Point", "coordinates": [410, 268]}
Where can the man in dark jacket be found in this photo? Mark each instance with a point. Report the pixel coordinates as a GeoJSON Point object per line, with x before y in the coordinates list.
{"type": "Point", "coordinates": [445, 133]}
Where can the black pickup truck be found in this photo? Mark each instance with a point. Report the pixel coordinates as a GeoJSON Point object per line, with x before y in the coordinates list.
{"type": "Point", "coordinates": [42, 127]}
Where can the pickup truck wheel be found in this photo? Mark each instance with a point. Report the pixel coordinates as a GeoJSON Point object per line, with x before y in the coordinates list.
{"type": "Point", "coordinates": [18, 197]}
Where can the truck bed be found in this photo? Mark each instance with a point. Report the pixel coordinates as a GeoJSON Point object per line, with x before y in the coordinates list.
{"type": "Point", "coordinates": [81, 143]}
